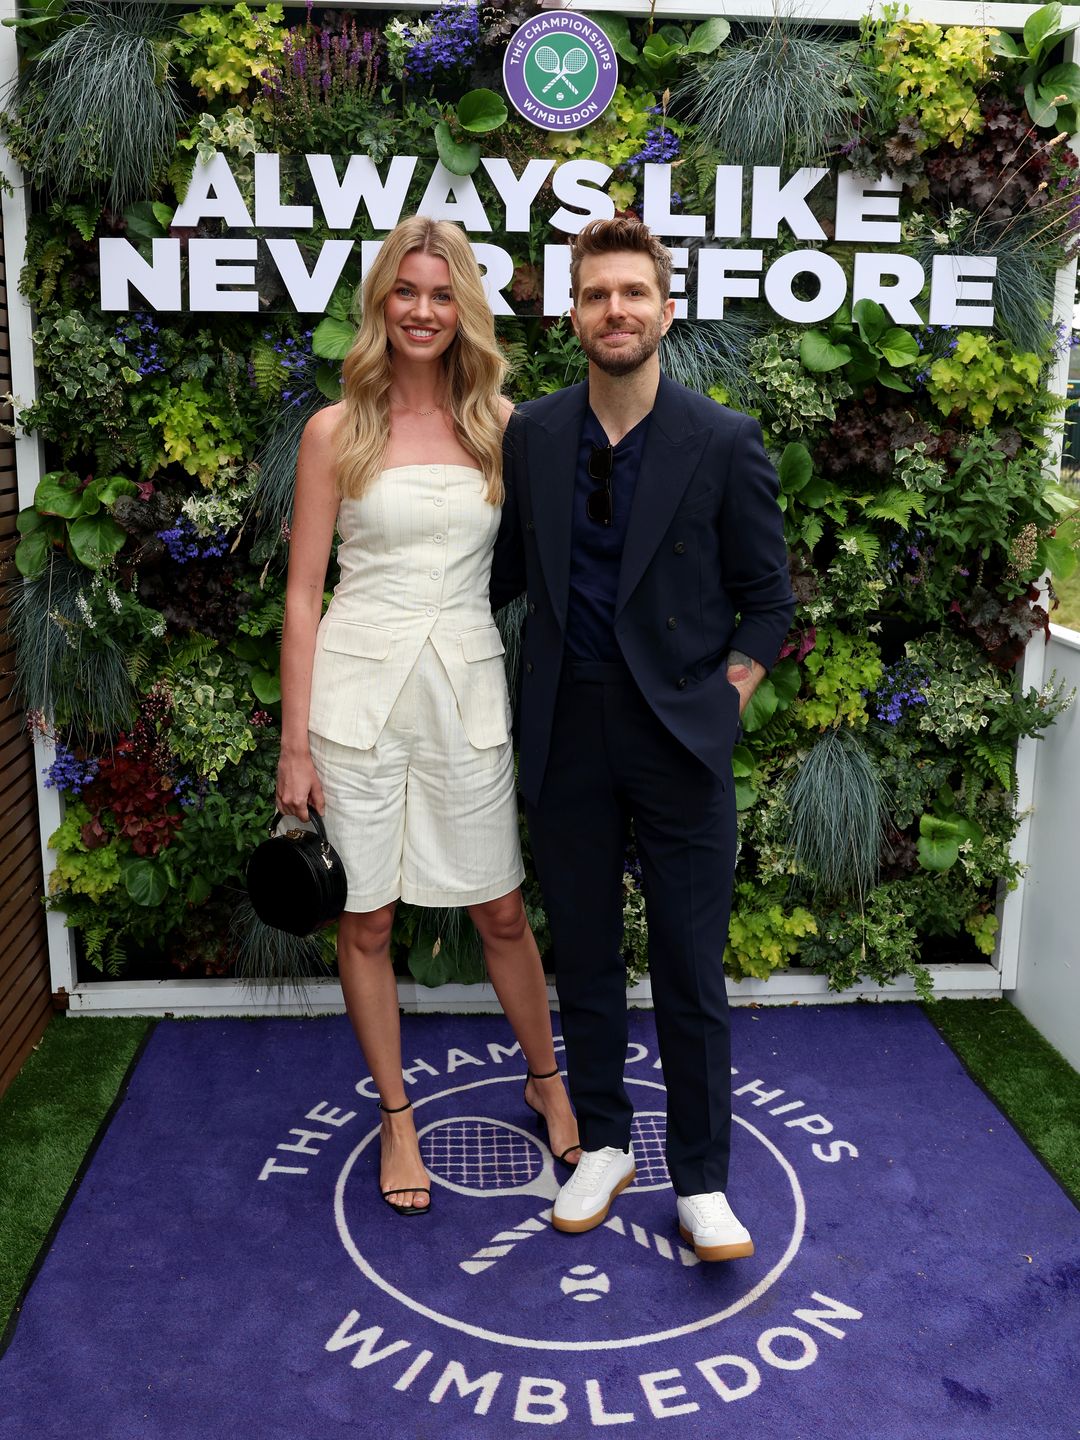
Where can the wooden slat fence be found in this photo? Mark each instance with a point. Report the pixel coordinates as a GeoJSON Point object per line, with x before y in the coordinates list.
{"type": "Point", "coordinates": [25, 1001]}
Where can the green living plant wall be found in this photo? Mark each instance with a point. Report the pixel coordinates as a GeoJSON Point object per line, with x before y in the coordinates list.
{"type": "Point", "coordinates": [875, 780]}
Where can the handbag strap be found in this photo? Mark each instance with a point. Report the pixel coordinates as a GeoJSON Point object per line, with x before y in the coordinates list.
{"type": "Point", "coordinates": [313, 816]}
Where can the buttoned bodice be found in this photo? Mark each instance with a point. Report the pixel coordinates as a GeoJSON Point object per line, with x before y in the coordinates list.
{"type": "Point", "coordinates": [415, 561]}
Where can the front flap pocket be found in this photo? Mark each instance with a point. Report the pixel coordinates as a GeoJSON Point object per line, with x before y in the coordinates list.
{"type": "Point", "coordinates": [370, 641]}
{"type": "Point", "coordinates": [482, 644]}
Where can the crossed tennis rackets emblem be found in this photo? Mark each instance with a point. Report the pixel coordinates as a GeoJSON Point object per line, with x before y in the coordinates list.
{"type": "Point", "coordinates": [477, 1156]}
{"type": "Point", "coordinates": [561, 67]}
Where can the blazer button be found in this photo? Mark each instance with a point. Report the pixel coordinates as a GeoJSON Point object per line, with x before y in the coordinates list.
{"type": "Point", "coordinates": [681, 682]}
{"type": "Point", "coordinates": [679, 548]}
{"type": "Point", "coordinates": [528, 667]}
{"type": "Point", "coordinates": [671, 622]}
{"type": "Point", "coordinates": [529, 525]}
{"type": "Point", "coordinates": [532, 607]}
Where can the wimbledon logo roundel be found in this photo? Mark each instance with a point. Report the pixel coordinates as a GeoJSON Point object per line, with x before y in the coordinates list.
{"type": "Point", "coordinates": [560, 71]}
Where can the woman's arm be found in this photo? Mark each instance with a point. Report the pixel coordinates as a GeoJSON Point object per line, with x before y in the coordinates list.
{"type": "Point", "coordinates": [314, 513]}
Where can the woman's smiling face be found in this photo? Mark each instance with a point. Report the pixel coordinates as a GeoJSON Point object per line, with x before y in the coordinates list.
{"type": "Point", "coordinates": [420, 314]}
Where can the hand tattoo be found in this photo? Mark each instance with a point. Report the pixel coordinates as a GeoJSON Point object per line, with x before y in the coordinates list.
{"type": "Point", "coordinates": [739, 666]}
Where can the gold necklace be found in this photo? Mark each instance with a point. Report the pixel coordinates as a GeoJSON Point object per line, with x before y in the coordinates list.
{"type": "Point", "coordinates": [410, 411]}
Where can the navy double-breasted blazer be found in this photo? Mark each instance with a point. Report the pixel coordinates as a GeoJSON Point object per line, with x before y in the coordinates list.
{"type": "Point", "coordinates": [704, 568]}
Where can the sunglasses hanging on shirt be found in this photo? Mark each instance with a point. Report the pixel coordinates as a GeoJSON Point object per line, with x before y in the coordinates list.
{"type": "Point", "coordinates": [599, 507]}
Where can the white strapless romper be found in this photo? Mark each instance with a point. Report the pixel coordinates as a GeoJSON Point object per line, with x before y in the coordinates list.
{"type": "Point", "coordinates": [410, 720]}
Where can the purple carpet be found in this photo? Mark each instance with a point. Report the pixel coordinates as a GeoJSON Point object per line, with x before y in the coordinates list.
{"type": "Point", "coordinates": [226, 1269]}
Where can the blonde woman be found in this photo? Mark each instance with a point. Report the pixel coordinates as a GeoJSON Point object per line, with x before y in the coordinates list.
{"type": "Point", "coordinates": [395, 716]}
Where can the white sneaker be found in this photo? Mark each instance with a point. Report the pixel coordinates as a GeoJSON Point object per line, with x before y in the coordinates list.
{"type": "Point", "coordinates": [707, 1223]}
{"type": "Point", "coordinates": [585, 1199]}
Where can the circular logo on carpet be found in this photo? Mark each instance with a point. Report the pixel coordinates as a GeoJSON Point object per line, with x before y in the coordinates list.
{"type": "Point", "coordinates": [560, 71]}
{"type": "Point", "coordinates": [493, 1184]}
{"type": "Point", "coordinates": [484, 1310]}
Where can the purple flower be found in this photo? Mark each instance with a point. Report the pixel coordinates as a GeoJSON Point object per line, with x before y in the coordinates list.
{"type": "Point", "coordinates": [183, 542]}
{"type": "Point", "coordinates": [68, 773]}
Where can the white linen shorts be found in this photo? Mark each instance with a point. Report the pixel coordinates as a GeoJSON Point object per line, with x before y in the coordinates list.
{"type": "Point", "coordinates": [423, 816]}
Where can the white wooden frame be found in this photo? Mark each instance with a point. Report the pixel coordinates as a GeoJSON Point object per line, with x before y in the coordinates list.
{"type": "Point", "coordinates": [225, 997]}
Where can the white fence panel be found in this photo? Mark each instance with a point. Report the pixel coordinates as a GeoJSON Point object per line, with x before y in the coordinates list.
{"type": "Point", "coordinates": [1048, 975]}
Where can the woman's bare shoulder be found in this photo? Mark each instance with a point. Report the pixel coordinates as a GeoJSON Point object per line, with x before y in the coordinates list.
{"type": "Point", "coordinates": [326, 420]}
{"type": "Point", "coordinates": [506, 409]}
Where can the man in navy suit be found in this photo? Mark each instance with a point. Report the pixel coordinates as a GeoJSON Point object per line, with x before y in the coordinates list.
{"type": "Point", "coordinates": [641, 519]}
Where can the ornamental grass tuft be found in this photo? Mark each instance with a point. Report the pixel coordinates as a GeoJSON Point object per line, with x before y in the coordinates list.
{"type": "Point", "coordinates": [836, 825]}
{"type": "Point", "coordinates": [74, 106]}
{"type": "Point", "coordinates": [782, 96]}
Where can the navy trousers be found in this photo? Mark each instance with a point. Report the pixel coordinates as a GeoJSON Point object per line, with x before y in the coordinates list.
{"type": "Point", "coordinates": [612, 761]}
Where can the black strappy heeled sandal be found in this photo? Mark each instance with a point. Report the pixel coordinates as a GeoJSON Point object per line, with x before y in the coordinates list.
{"type": "Point", "coordinates": [542, 1118]}
{"type": "Point", "coordinates": [406, 1210]}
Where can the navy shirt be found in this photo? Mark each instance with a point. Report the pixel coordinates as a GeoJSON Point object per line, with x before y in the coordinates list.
{"type": "Point", "coordinates": [595, 549]}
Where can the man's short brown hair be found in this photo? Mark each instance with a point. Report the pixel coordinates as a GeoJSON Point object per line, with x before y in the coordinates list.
{"type": "Point", "coordinates": [601, 237]}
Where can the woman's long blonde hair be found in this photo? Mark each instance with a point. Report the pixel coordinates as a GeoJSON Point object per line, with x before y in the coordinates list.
{"type": "Point", "coordinates": [473, 364]}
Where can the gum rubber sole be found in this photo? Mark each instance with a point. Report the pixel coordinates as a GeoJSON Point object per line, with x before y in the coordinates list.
{"type": "Point", "coordinates": [740, 1251]}
{"type": "Point", "coordinates": [578, 1227]}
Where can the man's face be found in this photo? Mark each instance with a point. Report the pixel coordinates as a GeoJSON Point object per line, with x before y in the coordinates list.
{"type": "Point", "coordinates": [618, 315]}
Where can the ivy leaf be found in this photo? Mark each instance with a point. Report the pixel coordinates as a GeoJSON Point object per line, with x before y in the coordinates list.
{"type": "Point", "coordinates": [95, 539]}
{"type": "Point", "coordinates": [164, 213]}
{"type": "Point", "coordinates": [458, 158]}
{"type": "Point", "coordinates": [818, 354]}
{"type": "Point", "coordinates": [706, 38]}
{"type": "Point", "coordinates": [479, 111]}
{"type": "Point", "coordinates": [146, 882]}
{"type": "Point", "coordinates": [332, 339]}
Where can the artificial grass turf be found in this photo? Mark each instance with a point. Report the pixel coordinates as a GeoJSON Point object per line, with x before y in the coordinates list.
{"type": "Point", "coordinates": [1023, 1074]}
{"type": "Point", "coordinates": [49, 1117]}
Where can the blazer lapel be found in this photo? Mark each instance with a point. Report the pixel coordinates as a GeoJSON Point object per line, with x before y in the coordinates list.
{"type": "Point", "coordinates": [668, 461]}
{"type": "Point", "coordinates": [552, 462]}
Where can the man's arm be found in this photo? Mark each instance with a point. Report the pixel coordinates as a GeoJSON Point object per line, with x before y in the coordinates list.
{"type": "Point", "coordinates": [745, 674]}
{"type": "Point", "coordinates": [754, 561]}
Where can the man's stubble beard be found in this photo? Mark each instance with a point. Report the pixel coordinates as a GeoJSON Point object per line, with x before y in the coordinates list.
{"type": "Point", "coordinates": [625, 364]}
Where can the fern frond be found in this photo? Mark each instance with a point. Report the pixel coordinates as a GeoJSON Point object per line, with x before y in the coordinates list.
{"type": "Point", "coordinates": [994, 759]}
{"type": "Point", "coordinates": [85, 219]}
{"type": "Point", "coordinates": [267, 371]}
{"type": "Point", "coordinates": [895, 504]}
{"type": "Point", "coordinates": [188, 652]}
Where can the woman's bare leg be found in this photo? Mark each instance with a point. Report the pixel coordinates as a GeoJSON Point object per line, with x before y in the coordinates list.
{"type": "Point", "coordinates": [513, 963]}
{"type": "Point", "coordinates": [371, 1000]}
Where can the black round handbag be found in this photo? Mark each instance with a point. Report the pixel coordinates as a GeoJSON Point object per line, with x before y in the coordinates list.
{"type": "Point", "coordinates": [295, 879]}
